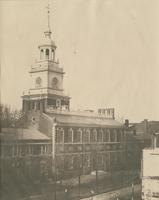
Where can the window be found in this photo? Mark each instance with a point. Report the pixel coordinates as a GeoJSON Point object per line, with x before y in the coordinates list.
{"type": "Point", "coordinates": [93, 136]}
{"type": "Point", "coordinates": [100, 160]}
{"type": "Point", "coordinates": [112, 135]}
{"type": "Point", "coordinates": [68, 136]}
{"type": "Point", "coordinates": [68, 162]}
{"type": "Point", "coordinates": [59, 135]}
{"type": "Point", "coordinates": [43, 149]}
{"type": "Point", "coordinates": [106, 161]}
{"type": "Point", "coordinates": [60, 162]}
{"type": "Point", "coordinates": [77, 162]}
{"type": "Point", "coordinates": [33, 105]}
{"type": "Point", "coordinates": [42, 54]}
{"type": "Point", "coordinates": [86, 134]}
{"type": "Point", "coordinates": [53, 54]}
{"type": "Point", "coordinates": [119, 136]}
{"type": "Point", "coordinates": [23, 150]}
{"type": "Point", "coordinates": [100, 135]}
{"type": "Point", "coordinates": [36, 150]}
{"type": "Point", "coordinates": [86, 160]}
{"type": "Point", "coordinates": [77, 136]}
{"type": "Point", "coordinates": [47, 53]}
{"type": "Point", "coordinates": [106, 135]}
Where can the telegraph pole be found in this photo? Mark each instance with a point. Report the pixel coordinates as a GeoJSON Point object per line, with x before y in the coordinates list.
{"type": "Point", "coordinates": [53, 152]}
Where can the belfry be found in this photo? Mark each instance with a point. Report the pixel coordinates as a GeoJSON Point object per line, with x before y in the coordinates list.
{"type": "Point", "coordinates": [46, 90]}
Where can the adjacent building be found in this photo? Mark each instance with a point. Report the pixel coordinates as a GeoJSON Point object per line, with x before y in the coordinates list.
{"type": "Point", "coordinates": [150, 171]}
{"type": "Point", "coordinates": [138, 136]}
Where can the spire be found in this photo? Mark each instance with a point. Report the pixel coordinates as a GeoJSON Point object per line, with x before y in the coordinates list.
{"type": "Point", "coordinates": [48, 32]}
{"type": "Point", "coordinates": [48, 15]}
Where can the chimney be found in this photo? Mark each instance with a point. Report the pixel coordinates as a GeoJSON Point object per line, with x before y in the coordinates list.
{"type": "Point", "coordinates": [145, 122]}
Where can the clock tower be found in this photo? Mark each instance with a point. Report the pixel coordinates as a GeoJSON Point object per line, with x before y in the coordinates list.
{"type": "Point", "coordinates": [46, 90]}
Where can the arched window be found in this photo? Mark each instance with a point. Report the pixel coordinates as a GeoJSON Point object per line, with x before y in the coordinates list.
{"type": "Point", "coordinates": [53, 54]}
{"type": "Point", "coordinates": [47, 53]}
{"type": "Point", "coordinates": [86, 135]}
{"type": "Point", "coordinates": [119, 135]}
{"type": "Point", "coordinates": [68, 162]}
{"type": "Point", "coordinates": [41, 54]}
{"type": "Point", "coordinates": [68, 136]}
{"type": "Point", "coordinates": [106, 135]}
{"type": "Point", "coordinates": [113, 135]}
{"type": "Point", "coordinates": [59, 135]}
{"type": "Point", "coordinates": [100, 135]}
{"type": "Point", "coordinates": [93, 136]}
{"type": "Point", "coordinates": [77, 162]}
{"type": "Point", "coordinates": [77, 136]}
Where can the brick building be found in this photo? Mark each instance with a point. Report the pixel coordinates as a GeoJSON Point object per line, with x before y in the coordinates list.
{"type": "Point", "coordinates": [75, 142]}
{"type": "Point", "coordinates": [138, 136]}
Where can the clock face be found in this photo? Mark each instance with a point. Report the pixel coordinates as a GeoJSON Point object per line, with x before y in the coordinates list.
{"type": "Point", "coordinates": [54, 82]}
{"type": "Point", "coordinates": [38, 82]}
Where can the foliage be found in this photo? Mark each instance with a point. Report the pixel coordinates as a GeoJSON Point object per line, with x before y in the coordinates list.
{"type": "Point", "coordinates": [9, 117]}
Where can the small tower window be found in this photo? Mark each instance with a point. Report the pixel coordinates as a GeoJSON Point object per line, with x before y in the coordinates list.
{"type": "Point", "coordinates": [41, 54]}
{"type": "Point", "coordinates": [47, 53]}
{"type": "Point", "coordinates": [53, 54]}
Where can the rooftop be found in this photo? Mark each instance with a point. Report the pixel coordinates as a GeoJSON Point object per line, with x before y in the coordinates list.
{"type": "Point", "coordinates": [88, 119]}
{"type": "Point", "coordinates": [21, 134]}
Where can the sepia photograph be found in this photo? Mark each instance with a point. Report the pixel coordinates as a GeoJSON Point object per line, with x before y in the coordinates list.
{"type": "Point", "coordinates": [79, 100]}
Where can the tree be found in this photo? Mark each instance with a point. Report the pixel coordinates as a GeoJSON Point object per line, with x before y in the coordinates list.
{"type": "Point", "coordinates": [9, 117]}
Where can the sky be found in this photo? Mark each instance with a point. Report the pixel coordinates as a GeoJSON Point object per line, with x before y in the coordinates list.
{"type": "Point", "coordinates": [108, 49]}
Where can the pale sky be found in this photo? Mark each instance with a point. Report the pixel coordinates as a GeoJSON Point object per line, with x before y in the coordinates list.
{"type": "Point", "coordinates": [108, 49]}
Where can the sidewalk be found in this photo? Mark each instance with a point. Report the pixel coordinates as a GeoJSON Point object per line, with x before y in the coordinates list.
{"type": "Point", "coordinates": [120, 194]}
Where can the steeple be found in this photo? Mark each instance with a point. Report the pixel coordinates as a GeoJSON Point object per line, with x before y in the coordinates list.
{"type": "Point", "coordinates": [47, 78]}
{"type": "Point", "coordinates": [48, 31]}
{"type": "Point", "coordinates": [48, 47]}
